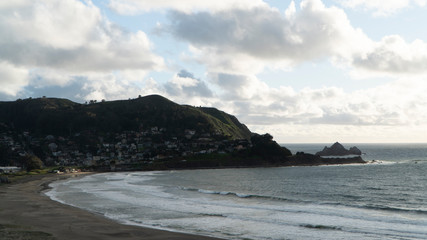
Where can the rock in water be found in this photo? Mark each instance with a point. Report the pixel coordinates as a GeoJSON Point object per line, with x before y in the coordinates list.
{"type": "Point", "coordinates": [338, 150]}
{"type": "Point", "coordinates": [355, 151]}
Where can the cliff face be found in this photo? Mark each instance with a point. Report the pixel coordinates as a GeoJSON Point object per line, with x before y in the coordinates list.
{"type": "Point", "coordinates": [64, 117]}
{"type": "Point", "coordinates": [338, 150]}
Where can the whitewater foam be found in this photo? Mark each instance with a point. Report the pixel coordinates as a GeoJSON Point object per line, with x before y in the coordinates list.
{"type": "Point", "coordinates": [299, 203]}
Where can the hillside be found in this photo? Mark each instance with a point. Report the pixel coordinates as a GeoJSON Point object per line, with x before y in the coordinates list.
{"type": "Point", "coordinates": [146, 133]}
{"type": "Point", "coordinates": [56, 116]}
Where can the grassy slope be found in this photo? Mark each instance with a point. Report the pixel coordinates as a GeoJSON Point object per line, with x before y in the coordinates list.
{"type": "Point", "coordinates": [63, 117]}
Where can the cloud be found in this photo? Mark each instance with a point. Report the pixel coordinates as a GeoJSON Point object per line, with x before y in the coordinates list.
{"type": "Point", "coordinates": [69, 38]}
{"type": "Point", "coordinates": [379, 8]}
{"type": "Point", "coordinates": [393, 112]}
{"type": "Point", "coordinates": [12, 78]}
{"type": "Point", "coordinates": [393, 56]}
{"type": "Point", "coordinates": [132, 7]}
{"type": "Point", "coordinates": [111, 87]}
{"type": "Point", "coordinates": [238, 87]}
{"type": "Point", "coordinates": [399, 103]}
{"type": "Point", "coordinates": [246, 41]}
{"type": "Point", "coordinates": [70, 48]}
{"type": "Point", "coordinates": [263, 36]}
{"type": "Point", "coordinates": [184, 84]}
{"type": "Point", "coordinates": [343, 133]}
{"type": "Point", "coordinates": [72, 36]}
{"type": "Point", "coordinates": [90, 86]}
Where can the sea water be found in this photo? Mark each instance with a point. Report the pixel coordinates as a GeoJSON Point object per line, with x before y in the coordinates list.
{"type": "Point", "coordinates": [385, 200]}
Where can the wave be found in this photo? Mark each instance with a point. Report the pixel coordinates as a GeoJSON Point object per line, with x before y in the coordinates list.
{"type": "Point", "coordinates": [321, 227]}
{"type": "Point", "coordinates": [394, 209]}
{"type": "Point", "coordinates": [242, 195]}
{"type": "Point", "coordinates": [243, 215]}
{"type": "Point", "coordinates": [274, 198]}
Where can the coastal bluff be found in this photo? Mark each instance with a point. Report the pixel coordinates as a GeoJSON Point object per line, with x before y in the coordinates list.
{"type": "Point", "coordinates": [145, 133]}
{"type": "Point", "coordinates": [337, 149]}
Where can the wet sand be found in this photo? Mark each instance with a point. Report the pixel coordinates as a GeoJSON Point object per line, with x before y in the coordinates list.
{"type": "Point", "coordinates": [26, 213]}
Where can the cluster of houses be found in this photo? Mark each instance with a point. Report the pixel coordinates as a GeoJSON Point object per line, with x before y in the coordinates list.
{"type": "Point", "coordinates": [127, 147]}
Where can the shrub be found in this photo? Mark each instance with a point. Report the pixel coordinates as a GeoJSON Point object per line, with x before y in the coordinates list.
{"type": "Point", "coordinates": [31, 162]}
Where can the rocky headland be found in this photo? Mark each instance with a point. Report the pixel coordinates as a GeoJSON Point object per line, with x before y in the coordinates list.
{"type": "Point", "coordinates": [146, 133]}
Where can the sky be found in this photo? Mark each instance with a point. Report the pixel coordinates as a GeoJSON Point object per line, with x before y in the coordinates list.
{"type": "Point", "coordinates": [305, 71]}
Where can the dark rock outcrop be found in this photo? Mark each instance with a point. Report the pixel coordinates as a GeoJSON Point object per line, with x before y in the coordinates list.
{"type": "Point", "coordinates": [355, 151]}
{"type": "Point", "coordinates": [306, 159]}
{"type": "Point", "coordinates": [338, 150]}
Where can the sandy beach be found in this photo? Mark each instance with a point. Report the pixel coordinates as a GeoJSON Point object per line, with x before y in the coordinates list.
{"type": "Point", "coordinates": [26, 213]}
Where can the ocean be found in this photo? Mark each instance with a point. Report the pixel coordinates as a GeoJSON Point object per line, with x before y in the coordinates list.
{"type": "Point", "coordinates": [386, 199]}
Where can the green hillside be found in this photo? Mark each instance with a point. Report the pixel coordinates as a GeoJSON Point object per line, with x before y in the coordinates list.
{"type": "Point", "coordinates": [64, 117]}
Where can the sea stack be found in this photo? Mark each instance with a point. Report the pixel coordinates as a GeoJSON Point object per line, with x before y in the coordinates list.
{"type": "Point", "coordinates": [337, 149]}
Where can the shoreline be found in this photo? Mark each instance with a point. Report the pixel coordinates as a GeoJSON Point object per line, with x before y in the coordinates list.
{"type": "Point", "coordinates": [27, 213]}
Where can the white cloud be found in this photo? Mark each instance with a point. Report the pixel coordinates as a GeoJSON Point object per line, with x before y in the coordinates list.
{"type": "Point", "coordinates": [399, 103]}
{"type": "Point", "coordinates": [182, 82]}
{"type": "Point", "coordinates": [397, 109]}
{"type": "Point", "coordinates": [238, 87]}
{"type": "Point", "coordinates": [71, 35]}
{"type": "Point", "coordinates": [12, 78]}
{"type": "Point", "coordinates": [131, 7]}
{"type": "Point", "coordinates": [53, 37]}
{"type": "Point", "coordinates": [56, 24]}
{"type": "Point", "coordinates": [5, 5]}
{"type": "Point", "coordinates": [258, 37]}
{"type": "Point", "coordinates": [246, 41]}
{"type": "Point", "coordinates": [296, 133]}
{"type": "Point", "coordinates": [98, 86]}
{"type": "Point", "coordinates": [392, 56]}
{"type": "Point", "coordinates": [70, 46]}
{"type": "Point", "coordinates": [381, 8]}
{"type": "Point", "coordinates": [44, 77]}
{"type": "Point", "coordinates": [182, 88]}
{"type": "Point", "coordinates": [394, 112]}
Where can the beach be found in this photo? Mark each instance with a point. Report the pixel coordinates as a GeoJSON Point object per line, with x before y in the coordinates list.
{"type": "Point", "coordinates": [26, 213]}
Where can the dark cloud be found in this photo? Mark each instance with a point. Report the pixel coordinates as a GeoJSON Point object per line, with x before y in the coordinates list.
{"type": "Point", "coordinates": [230, 82]}
{"type": "Point", "coordinates": [185, 74]}
{"type": "Point", "coordinates": [186, 85]}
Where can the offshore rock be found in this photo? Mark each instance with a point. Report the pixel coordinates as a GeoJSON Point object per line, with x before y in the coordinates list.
{"type": "Point", "coordinates": [338, 150]}
{"type": "Point", "coordinates": [355, 151]}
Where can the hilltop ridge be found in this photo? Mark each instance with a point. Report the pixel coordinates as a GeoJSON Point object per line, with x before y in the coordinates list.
{"type": "Point", "coordinates": [145, 133]}
{"type": "Point", "coordinates": [148, 132]}
{"type": "Point", "coordinates": [63, 117]}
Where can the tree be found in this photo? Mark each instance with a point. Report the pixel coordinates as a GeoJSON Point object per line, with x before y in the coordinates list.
{"type": "Point", "coordinates": [31, 162]}
{"type": "Point", "coordinates": [4, 155]}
